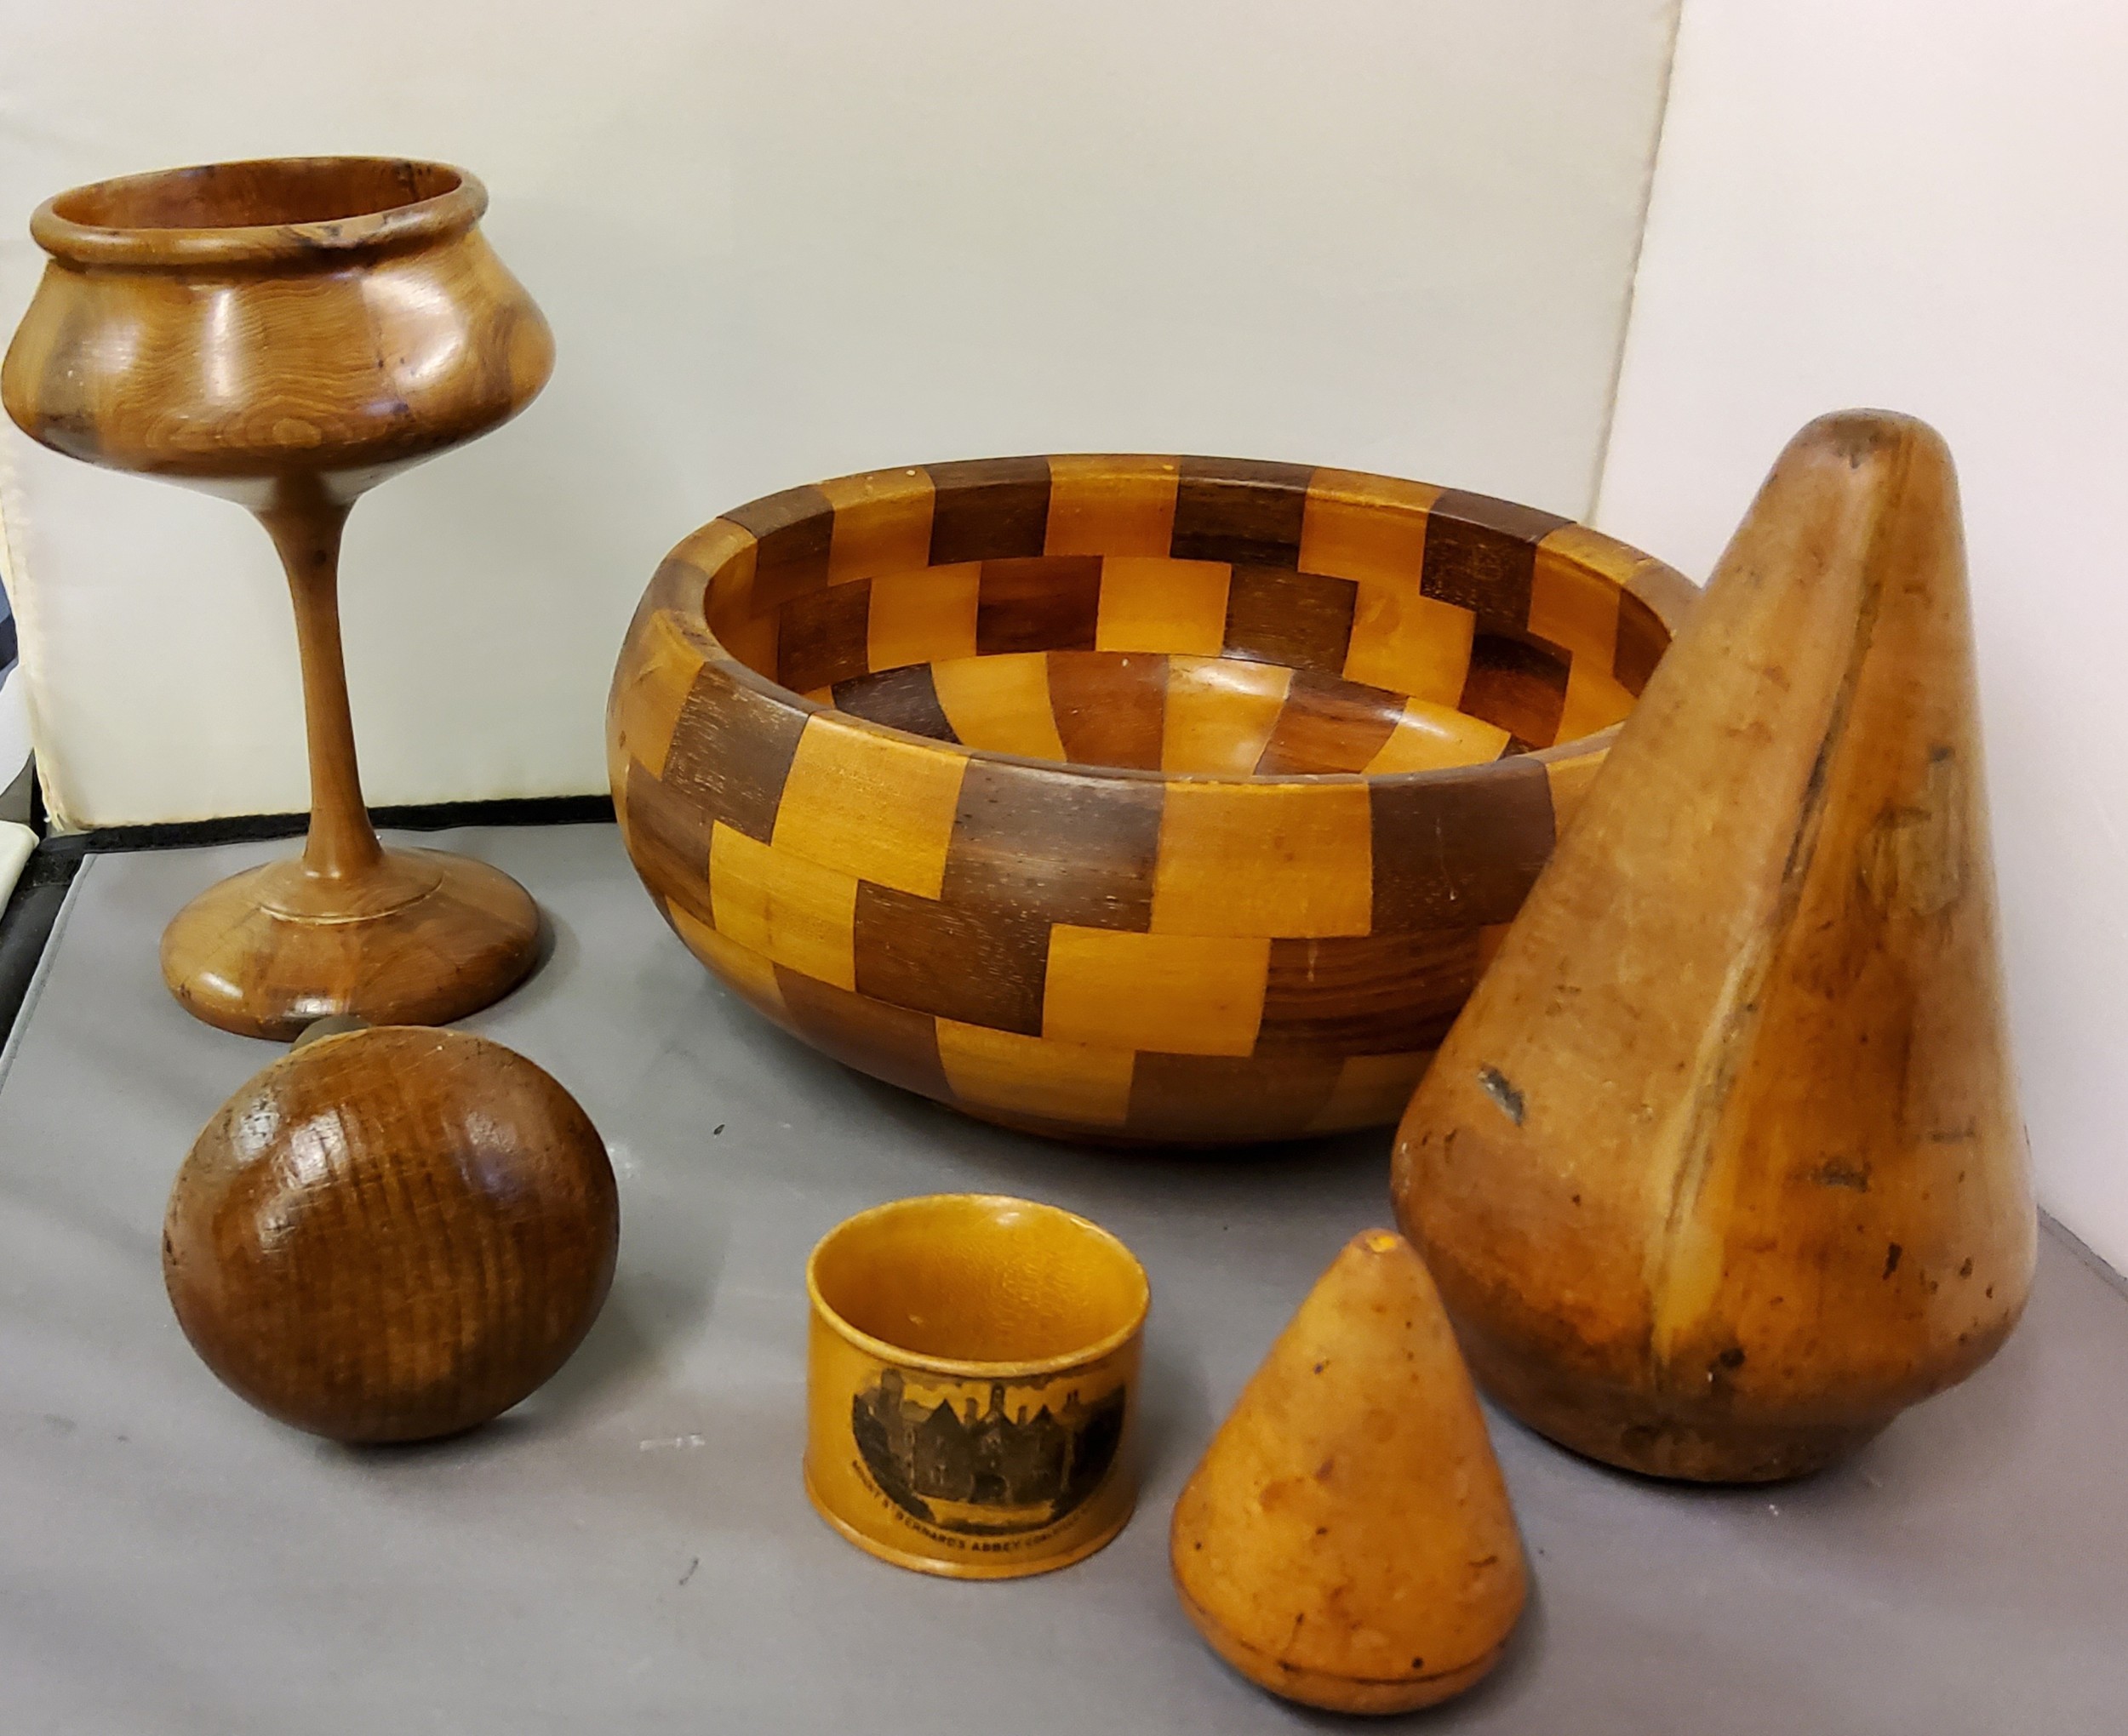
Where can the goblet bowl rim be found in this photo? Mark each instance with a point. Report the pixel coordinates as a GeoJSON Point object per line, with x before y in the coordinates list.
{"type": "Point", "coordinates": [326, 241]}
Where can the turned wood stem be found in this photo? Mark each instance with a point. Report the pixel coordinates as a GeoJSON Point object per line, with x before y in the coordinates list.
{"type": "Point", "coordinates": [306, 526]}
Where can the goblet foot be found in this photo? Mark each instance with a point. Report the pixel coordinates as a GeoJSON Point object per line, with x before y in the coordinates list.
{"type": "Point", "coordinates": [420, 938]}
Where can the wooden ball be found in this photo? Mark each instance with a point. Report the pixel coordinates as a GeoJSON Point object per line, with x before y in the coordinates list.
{"type": "Point", "coordinates": [392, 1235]}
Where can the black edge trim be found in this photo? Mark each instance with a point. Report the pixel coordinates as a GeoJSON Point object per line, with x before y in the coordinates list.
{"type": "Point", "coordinates": [428, 816]}
{"type": "Point", "coordinates": [33, 909]}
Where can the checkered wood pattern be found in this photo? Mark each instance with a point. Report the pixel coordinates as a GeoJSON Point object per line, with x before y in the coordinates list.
{"type": "Point", "coordinates": [1159, 799]}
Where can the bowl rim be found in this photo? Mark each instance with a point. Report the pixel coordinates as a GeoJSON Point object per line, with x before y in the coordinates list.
{"type": "Point", "coordinates": [1668, 592]}
{"type": "Point", "coordinates": [324, 241]}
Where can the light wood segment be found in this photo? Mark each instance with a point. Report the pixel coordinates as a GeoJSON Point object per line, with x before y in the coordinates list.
{"type": "Point", "coordinates": [1221, 713]}
{"type": "Point", "coordinates": [1574, 589]}
{"type": "Point", "coordinates": [1001, 703]}
{"type": "Point", "coordinates": [924, 617]}
{"type": "Point", "coordinates": [729, 607]}
{"type": "Point", "coordinates": [751, 974]}
{"type": "Point", "coordinates": [775, 903]}
{"type": "Point", "coordinates": [1594, 700]}
{"type": "Point", "coordinates": [1428, 737]}
{"type": "Point", "coordinates": [1115, 505]}
{"type": "Point", "coordinates": [1407, 642]}
{"type": "Point", "coordinates": [874, 803]}
{"type": "Point", "coordinates": [1082, 1084]}
{"type": "Point", "coordinates": [1311, 845]}
{"type": "Point", "coordinates": [1156, 604]}
{"type": "Point", "coordinates": [1183, 994]}
{"type": "Point", "coordinates": [719, 550]}
{"type": "Point", "coordinates": [1356, 527]}
{"type": "Point", "coordinates": [882, 524]}
{"type": "Point", "coordinates": [755, 640]}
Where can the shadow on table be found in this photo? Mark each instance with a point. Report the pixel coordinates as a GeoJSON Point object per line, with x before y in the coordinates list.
{"type": "Point", "coordinates": [645, 1315]}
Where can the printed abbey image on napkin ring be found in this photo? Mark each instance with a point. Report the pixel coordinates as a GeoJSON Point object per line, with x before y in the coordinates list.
{"type": "Point", "coordinates": [1000, 1474]}
{"type": "Point", "coordinates": [972, 1371]}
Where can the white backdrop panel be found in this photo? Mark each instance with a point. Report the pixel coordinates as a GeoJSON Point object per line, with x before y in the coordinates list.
{"type": "Point", "coordinates": [780, 239]}
{"type": "Point", "coordinates": [1917, 206]}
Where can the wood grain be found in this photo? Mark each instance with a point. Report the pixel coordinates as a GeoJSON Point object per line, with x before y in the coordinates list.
{"type": "Point", "coordinates": [392, 1235]}
{"type": "Point", "coordinates": [1722, 1167]}
{"type": "Point", "coordinates": [1347, 1540]}
{"type": "Point", "coordinates": [288, 334]}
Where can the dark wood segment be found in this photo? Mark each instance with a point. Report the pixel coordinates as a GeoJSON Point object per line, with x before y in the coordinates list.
{"type": "Point", "coordinates": [1480, 555]}
{"type": "Point", "coordinates": [791, 532]}
{"type": "Point", "coordinates": [668, 840]}
{"type": "Point", "coordinates": [823, 637]}
{"type": "Point", "coordinates": [901, 699]}
{"type": "Point", "coordinates": [1459, 847]}
{"type": "Point", "coordinates": [980, 966]}
{"type": "Point", "coordinates": [1239, 509]}
{"type": "Point", "coordinates": [1301, 620]}
{"type": "Point", "coordinates": [1050, 603]}
{"type": "Point", "coordinates": [732, 750]}
{"type": "Point", "coordinates": [892, 1043]}
{"type": "Point", "coordinates": [1642, 640]}
{"type": "Point", "coordinates": [1078, 849]}
{"type": "Point", "coordinates": [1328, 725]}
{"type": "Point", "coordinates": [991, 509]}
{"type": "Point", "coordinates": [1110, 705]}
{"type": "Point", "coordinates": [1227, 1099]}
{"type": "Point", "coordinates": [1519, 684]}
{"type": "Point", "coordinates": [1367, 994]}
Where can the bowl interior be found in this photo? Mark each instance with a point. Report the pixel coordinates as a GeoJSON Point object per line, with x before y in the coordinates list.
{"type": "Point", "coordinates": [979, 1278]}
{"type": "Point", "coordinates": [1218, 617]}
{"type": "Point", "coordinates": [257, 195]}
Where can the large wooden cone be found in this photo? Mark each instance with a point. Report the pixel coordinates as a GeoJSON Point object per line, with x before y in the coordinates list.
{"type": "Point", "coordinates": [1721, 1167]}
{"type": "Point", "coordinates": [1347, 1541]}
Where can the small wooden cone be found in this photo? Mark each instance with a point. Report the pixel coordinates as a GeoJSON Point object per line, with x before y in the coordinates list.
{"type": "Point", "coordinates": [1347, 1540]}
{"type": "Point", "coordinates": [1721, 1167]}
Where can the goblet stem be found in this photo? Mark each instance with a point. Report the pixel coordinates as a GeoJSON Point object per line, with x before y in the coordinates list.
{"type": "Point", "coordinates": [305, 524]}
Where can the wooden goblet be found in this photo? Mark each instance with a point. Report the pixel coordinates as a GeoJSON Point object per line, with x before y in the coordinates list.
{"type": "Point", "coordinates": [288, 334]}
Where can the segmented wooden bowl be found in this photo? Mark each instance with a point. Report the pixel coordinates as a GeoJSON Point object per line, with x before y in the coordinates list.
{"type": "Point", "coordinates": [1143, 799]}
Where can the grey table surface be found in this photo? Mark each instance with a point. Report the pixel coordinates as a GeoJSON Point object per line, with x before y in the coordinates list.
{"type": "Point", "coordinates": [631, 1550]}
